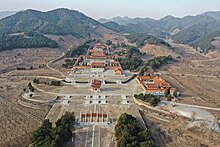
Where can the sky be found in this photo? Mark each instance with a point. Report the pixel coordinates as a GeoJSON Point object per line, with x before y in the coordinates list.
{"type": "Point", "coordinates": [110, 8]}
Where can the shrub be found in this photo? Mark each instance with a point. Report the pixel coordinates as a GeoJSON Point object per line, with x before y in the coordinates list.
{"type": "Point", "coordinates": [47, 136]}
{"type": "Point", "coordinates": [150, 98]}
{"type": "Point", "coordinates": [56, 83]}
{"type": "Point", "coordinates": [129, 132]}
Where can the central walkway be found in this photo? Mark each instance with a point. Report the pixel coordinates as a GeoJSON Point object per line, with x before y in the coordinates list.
{"type": "Point", "coordinates": [97, 97]}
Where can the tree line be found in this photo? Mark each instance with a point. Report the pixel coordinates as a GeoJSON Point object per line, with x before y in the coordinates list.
{"type": "Point", "coordinates": [130, 63]}
{"type": "Point", "coordinates": [157, 62]}
{"type": "Point", "coordinates": [143, 38]}
{"type": "Point", "coordinates": [69, 63]}
{"type": "Point", "coordinates": [79, 50]}
{"type": "Point", "coordinates": [53, 82]}
{"type": "Point", "coordinates": [48, 136]}
{"type": "Point", "coordinates": [129, 133]}
{"type": "Point", "coordinates": [200, 36]}
{"type": "Point", "coordinates": [132, 59]}
{"type": "Point", "coordinates": [150, 98]}
{"type": "Point", "coordinates": [8, 42]}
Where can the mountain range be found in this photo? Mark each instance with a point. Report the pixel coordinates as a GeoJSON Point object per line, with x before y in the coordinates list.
{"type": "Point", "coordinates": [56, 22]}
{"type": "Point", "coordinates": [198, 31]}
{"type": "Point", "coordinates": [26, 25]}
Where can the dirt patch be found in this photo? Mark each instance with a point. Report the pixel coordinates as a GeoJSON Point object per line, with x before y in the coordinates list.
{"type": "Point", "coordinates": [196, 77]}
{"type": "Point", "coordinates": [17, 122]}
{"type": "Point", "coordinates": [180, 132]}
{"type": "Point", "coordinates": [26, 58]}
{"type": "Point", "coordinates": [157, 50]}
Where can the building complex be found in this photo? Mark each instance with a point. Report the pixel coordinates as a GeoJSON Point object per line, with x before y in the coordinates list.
{"type": "Point", "coordinates": [154, 85]}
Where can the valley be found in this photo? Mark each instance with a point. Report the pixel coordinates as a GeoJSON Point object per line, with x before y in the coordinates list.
{"type": "Point", "coordinates": [94, 73]}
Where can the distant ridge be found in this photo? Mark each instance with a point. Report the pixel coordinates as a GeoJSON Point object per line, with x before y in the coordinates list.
{"type": "Point", "coordinates": [4, 14]}
{"type": "Point", "coordinates": [25, 26]}
{"type": "Point", "coordinates": [214, 14]}
{"type": "Point", "coordinates": [198, 31]}
{"type": "Point", "coordinates": [57, 22]}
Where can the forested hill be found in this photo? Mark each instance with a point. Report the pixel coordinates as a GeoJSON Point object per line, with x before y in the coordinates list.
{"type": "Point", "coordinates": [56, 22]}
{"type": "Point", "coordinates": [198, 31]}
{"type": "Point", "coordinates": [142, 38]}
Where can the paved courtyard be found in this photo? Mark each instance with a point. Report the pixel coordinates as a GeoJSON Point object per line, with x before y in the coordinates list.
{"type": "Point", "coordinates": [113, 99]}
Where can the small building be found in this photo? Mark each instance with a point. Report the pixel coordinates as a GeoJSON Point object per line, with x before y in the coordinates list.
{"type": "Point", "coordinates": [118, 71]}
{"type": "Point", "coordinates": [98, 65]}
{"type": "Point", "coordinates": [97, 60]}
{"type": "Point", "coordinates": [96, 85]}
{"type": "Point", "coordinates": [154, 85]}
{"type": "Point", "coordinates": [96, 54]}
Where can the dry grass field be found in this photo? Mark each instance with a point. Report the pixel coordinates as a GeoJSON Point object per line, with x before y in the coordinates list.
{"type": "Point", "coordinates": [26, 58]}
{"type": "Point", "coordinates": [157, 50]}
{"type": "Point", "coordinates": [18, 121]}
{"type": "Point", "coordinates": [195, 75]}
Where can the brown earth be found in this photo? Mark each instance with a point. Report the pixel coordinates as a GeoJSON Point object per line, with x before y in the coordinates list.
{"type": "Point", "coordinates": [196, 76]}
{"type": "Point", "coordinates": [18, 121]}
{"type": "Point", "coordinates": [157, 50]}
{"type": "Point", "coordinates": [179, 131]}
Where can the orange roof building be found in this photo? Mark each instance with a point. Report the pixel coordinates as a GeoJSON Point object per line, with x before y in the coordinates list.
{"type": "Point", "coordinates": [96, 54]}
{"type": "Point", "coordinates": [118, 71]}
{"type": "Point", "coordinates": [96, 85]}
{"type": "Point", "coordinates": [97, 64]}
{"type": "Point", "coordinates": [98, 60]}
{"type": "Point", "coordinates": [154, 85]}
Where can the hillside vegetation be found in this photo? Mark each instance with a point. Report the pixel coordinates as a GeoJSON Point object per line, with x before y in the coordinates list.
{"type": "Point", "coordinates": [129, 133]}
{"type": "Point", "coordinates": [79, 50]}
{"type": "Point", "coordinates": [56, 22]}
{"type": "Point", "coordinates": [197, 31]}
{"type": "Point", "coordinates": [47, 136]}
{"type": "Point", "coordinates": [156, 63]}
{"type": "Point", "coordinates": [132, 59]}
{"type": "Point", "coordinates": [150, 98]}
{"type": "Point", "coordinates": [199, 36]}
{"type": "Point", "coordinates": [8, 42]}
{"type": "Point", "coordinates": [143, 38]}
{"type": "Point", "coordinates": [114, 26]}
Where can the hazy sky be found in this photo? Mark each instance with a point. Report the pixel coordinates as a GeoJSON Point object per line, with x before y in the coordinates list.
{"type": "Point", "coordinates": [110, 8]}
